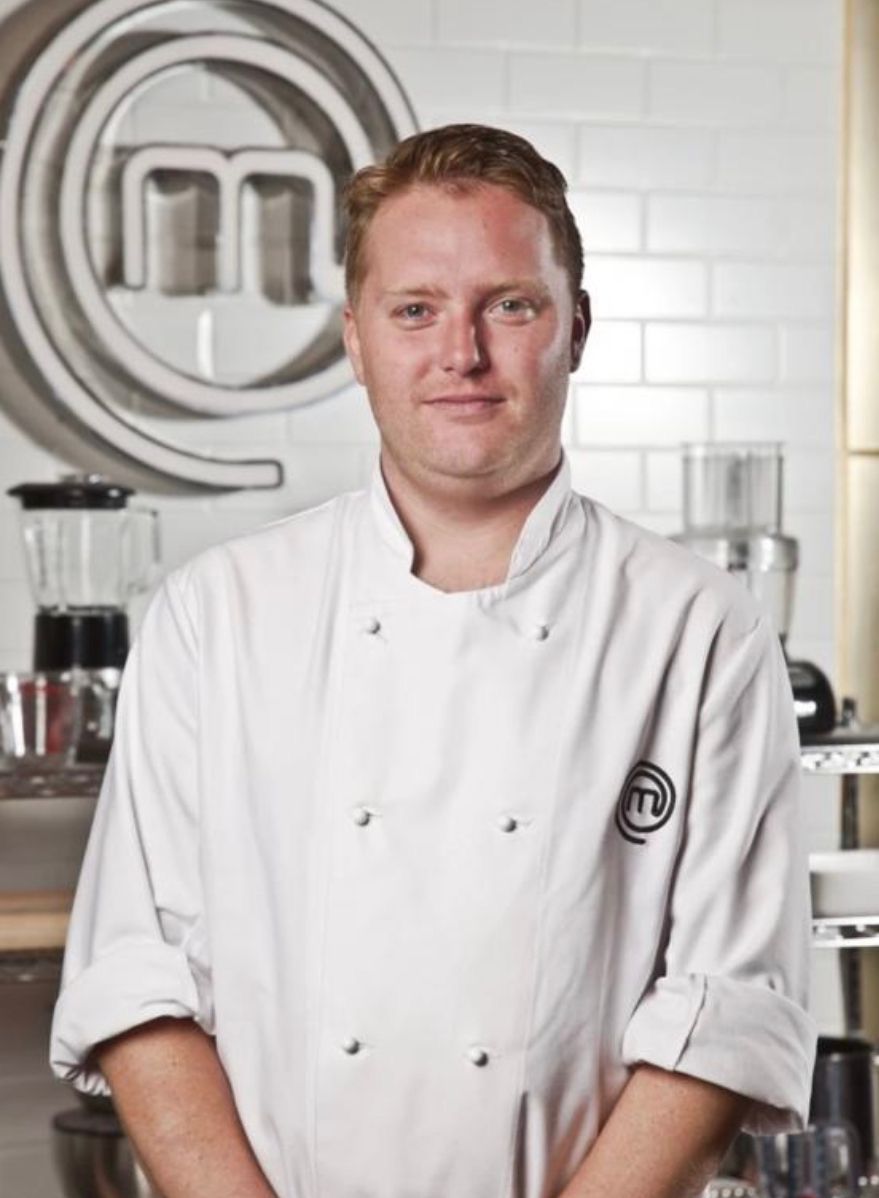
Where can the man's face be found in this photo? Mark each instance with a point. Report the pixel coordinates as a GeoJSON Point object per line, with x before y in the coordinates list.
{"type": "Point", "coordinates": [464, 333]}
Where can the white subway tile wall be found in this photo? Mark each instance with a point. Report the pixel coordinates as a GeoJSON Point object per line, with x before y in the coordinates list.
{"type": "Point", "coordinates": [795, 417]}
{"type": "Point", "coordinates": [701, 140]}
{"type": "Point", "coordinates": [808, 354]}
{"type": "Point", "coordinates": [714, 94]}
{"type": "Point", "coordinates": [609, 221]}
{"type": "Point", "coordinates": [577, 85]}
{"type": "Point", "coordinates": [451, 74]}
{"type": "Point", "coordinates": [664, 482]}
{"type": "Point", "coordinates": [778, 30]}
{"type": "Point", "coordinates": [645, 157]}
{"type": "Point", "coordinates": [614, 353]}
{"type": "Point", "coordinates": [392, 24]}
{"type": "Point", "coordinates": [744, 290]}
{"type": "Point", "coordinates": [777, 163]}
{"type": "Point", "coordinates": [610, 476]}
{"type": "Point", "coordinates": [708, 225]}
{"type": "Point", "coordinates": [811, 96]}
{"type": "Point", "coordinates": [649, 26]}
{"type": "Point", "coordinates": [710, 353]}
{"type": "Point", "coordinates": [494, 23]}
{"type": "Point", "coordinates": [645, 416]}
{"type": "Point", "coordinates": [646, 288]}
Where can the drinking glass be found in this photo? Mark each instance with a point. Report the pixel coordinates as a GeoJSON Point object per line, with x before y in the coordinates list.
{"type": "Point", "coordinates": [815, 1163]}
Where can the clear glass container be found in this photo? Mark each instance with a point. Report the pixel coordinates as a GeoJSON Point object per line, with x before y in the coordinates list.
{"type": "Point", "coordinates": [40, 719]}
{"type": "Point", "coordinates": [89, 558]}
{"type": "Point", "coordinates": [815, 1163]}
{"type": "Point", "coordinates": [733, 487]}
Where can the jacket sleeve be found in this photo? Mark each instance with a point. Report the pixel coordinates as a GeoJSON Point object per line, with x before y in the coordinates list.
{"type": "Point", "coordinates": [728, 1002]}
{"type": "Point", "coordinates": [136, 947]}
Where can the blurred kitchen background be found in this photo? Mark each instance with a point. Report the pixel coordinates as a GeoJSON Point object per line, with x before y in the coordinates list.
{"type": "Point", "coordinates": [705, 144]}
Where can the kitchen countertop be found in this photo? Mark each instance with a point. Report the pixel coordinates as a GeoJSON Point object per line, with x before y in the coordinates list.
{"type": "Point", "coordinates": [33, 920]}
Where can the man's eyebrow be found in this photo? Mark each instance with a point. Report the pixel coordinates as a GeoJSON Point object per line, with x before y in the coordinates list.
{"type": "Point", "coordinates": [535, 286]}
{"type": "Point", "coordinates": [418, 291]}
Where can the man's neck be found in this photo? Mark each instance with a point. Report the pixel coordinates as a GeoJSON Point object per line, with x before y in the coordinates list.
{"type": "Point", "coordinates": [463, 541]}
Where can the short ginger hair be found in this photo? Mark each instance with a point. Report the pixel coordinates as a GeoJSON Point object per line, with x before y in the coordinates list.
{"type": "Point", "coordinates": [461, 157]}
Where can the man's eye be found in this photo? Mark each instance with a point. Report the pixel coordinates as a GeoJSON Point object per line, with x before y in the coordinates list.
{"type": "Point", "coordinates": [515, 306]}
{"type": "Point", "coordinates": [413, 311]}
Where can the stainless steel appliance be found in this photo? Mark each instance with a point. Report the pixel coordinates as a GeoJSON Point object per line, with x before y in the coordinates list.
{"type": "Point", "coordinates": [94, 1157]}
{"type": "Point", "coordinates": [732, 501]}
{"type": "Point", "coordinates": [843, 1090]}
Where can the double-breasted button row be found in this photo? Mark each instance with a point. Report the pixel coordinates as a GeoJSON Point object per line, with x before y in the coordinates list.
{"type": "Point", "coordinates": [361, 816]}
{"type": "Point", "coordinates": [476, 1054]}
{"type": "Point", "coordinates": [538, 631]}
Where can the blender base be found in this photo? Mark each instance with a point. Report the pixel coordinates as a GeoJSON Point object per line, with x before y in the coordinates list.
{"type": "Point", "coordinates": [93, 639]}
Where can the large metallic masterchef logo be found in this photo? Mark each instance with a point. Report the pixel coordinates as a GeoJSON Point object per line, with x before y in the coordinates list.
{"type": "Point", "coordinates": [170, 237]}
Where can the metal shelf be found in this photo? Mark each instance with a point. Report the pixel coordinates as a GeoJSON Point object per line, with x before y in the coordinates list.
{"type": "Point", "coordinates": [849, 752]}
{"type": "Point", "coordinates": [73, 782]}
{"type": "Point", "coordinates": [845, 750]}
{"type": "Point", "coordinates": [27, 967]}
{"type": "Point", "coordinates": [848, 931]}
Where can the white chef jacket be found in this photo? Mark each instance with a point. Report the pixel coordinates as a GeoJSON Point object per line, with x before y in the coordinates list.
{"type": "Point", "coordinates": [437, 869]}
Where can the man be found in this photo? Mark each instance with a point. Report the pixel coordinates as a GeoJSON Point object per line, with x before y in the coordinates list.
{"type": "Point", "coordinates": [448, 847]}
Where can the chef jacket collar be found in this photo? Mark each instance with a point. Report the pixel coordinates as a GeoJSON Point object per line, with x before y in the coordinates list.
{"type": "Point", "coordinates": [542, 524]}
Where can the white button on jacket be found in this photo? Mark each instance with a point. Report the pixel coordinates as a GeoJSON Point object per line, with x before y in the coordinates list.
{"type": "Point", "coordinates": [419, 1004]}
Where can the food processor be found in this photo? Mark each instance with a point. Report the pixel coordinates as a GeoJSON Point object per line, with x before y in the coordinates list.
{"type": "Point", "coordinates": [88, 554]}
{"type": "Point", "coordinates": [732, 499]}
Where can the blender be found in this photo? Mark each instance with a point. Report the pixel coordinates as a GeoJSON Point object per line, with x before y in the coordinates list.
{"type": "Point", "coordinates": [733, 517]}
{"type": "Point", "coordinates": [87, 555]}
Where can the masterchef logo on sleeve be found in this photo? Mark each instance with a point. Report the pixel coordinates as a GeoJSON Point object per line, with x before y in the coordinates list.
{"type": "Point", "coordinates": [646, 803]}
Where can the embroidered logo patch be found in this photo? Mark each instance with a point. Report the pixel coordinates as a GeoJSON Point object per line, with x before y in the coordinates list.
{"type": "Point", "coordinates": [646, 803]}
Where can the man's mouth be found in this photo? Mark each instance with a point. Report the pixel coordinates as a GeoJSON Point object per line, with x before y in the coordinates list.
{"type": "Point", "coordinates": [466, 403]}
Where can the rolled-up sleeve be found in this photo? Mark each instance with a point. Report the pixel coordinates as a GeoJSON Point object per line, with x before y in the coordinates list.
{"type": "Point", "coordinates": [728, 1002]}
{"type": "Point", "coordinates": [137, 946]}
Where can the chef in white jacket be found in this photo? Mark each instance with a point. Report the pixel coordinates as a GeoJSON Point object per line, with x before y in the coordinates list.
{"type": "Point", "coordinates": [449, 846]}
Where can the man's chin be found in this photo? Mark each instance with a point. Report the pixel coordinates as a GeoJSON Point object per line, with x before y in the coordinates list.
{"type": "Point", "coordinates": [488, 468]}
{"type": "Point", "coordinates": [463, 468]}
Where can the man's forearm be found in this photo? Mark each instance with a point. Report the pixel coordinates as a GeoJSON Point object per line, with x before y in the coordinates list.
{"type": "Point", "coordinates": [175, 1103]}
{"type": "Point", "coordinates": [665, 1138]}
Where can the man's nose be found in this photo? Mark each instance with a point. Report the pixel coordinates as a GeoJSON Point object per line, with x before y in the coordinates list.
{"type": "Point", "coordinates": [463, 349]}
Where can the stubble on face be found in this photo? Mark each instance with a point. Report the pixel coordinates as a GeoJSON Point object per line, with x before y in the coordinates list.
{"type": "Point", "coordinates": [462, 334]}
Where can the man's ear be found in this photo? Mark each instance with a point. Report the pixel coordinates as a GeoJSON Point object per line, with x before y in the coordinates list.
{"type": "Point", "coordinates": [582, 323]}
{"type": "Point", "coordinates": [351, 337]}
